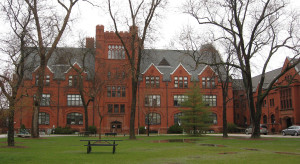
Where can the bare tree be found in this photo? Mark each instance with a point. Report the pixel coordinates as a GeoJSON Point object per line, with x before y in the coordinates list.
{"type": "Point", "coordinates": [141, 14]}
{"type": "Point", "coordinates": [256, 29]}
{"type": "Point", "coordinates": [11, 78]}
{"type": "Point", "coordinates": [49, 27]}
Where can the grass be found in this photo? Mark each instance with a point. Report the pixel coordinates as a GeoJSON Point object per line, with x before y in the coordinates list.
{"type": "Point", "coordinates": [153, 150]}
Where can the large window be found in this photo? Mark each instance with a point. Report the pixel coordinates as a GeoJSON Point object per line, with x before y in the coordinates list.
{"type": "Point", "coordinates": [116, 91]}
{"type": "Point", "coordinates": [74, 100]}
{"type": "Point", "coordinates": [45, 101]}
{"type": "Point", "coordinates": [177, 118]}
{"type": "Point", "coordinates": [152, 119]}
{"type": "Point", "coordinates": [208, 82]}
{"type": "Point", "coordinates": [210, 100]}
{"type": "Point", "coordinates": [116, 52]}
{"type": "Point", "coordinates": [272, 119]}
{"type": "Point", "coordinates": [43, 118]}
{"type": "Point", "coordinates": [152, 100]}
{"type": "Point", "coordinates": [272, 103]}
{"type": "Point", "coordinates": [179, 99]}
{"type": "Point", "coordinates": [286, 98]}
{"type": "Point", "coordinates": [152, 81]}
{"type": "Point", "coordinates": [74, 119]}
{"type": "Point", "coordinates": [180, 82]}
{"type": "Point", "coordinates": [116, 108]}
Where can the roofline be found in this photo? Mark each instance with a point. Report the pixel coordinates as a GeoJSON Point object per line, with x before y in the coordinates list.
{"type": "Point", "coordinates": [178, 67]}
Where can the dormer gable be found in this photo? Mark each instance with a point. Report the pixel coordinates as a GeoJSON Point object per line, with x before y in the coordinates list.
{"type": "Point", "coordinates": [151, 68]}
{"type": "Point", "coordinates": [179, 68]}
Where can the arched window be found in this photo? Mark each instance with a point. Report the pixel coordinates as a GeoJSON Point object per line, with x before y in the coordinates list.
{"type": "Point", "coordinates": [264, 119]}
{"type": "Point", "coordinates": [74, 119]}
{"type": "Point", "coordinates": [272, 119]}
{"type": "Point", "coordinates": [177, 118]}
{"type": "Point", "coordinates": [43, 118]}
{"type": "Point", "coordinates": [153, 118]}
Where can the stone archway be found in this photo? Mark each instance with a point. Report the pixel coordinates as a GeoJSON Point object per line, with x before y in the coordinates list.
{"type": "Point", "coordinates": [116, 127]}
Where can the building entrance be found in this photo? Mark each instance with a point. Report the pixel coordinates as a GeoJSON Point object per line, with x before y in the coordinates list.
{"type": "Point", "coordinates": [116, 127]}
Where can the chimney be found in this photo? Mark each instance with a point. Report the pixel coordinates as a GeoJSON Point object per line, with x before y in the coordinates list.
{"type": "Point", "coordinates": [89, 43]}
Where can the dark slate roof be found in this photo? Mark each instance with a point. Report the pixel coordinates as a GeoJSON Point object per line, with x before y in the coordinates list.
{"type": "Point", "coordinates": [60, 61]}
{"type": "Point", "coordinates": [167, 61]}
{"type": "Point", "coordinates": [269, 76]}
{"type": "Point", "coordinates": [237, 84]}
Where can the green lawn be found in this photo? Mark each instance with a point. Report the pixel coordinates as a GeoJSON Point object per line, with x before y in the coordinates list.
{"type": "Point", "coordinates": [153, 149]}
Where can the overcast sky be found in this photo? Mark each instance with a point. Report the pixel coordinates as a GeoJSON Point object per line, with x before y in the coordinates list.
{"type": "Point", "coordinates": [87, 17]}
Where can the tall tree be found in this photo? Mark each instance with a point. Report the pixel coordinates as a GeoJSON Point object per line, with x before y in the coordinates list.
{"type": "Point", "coordinates": [49, 27]}
{"type": "Point", "coordinates": [257, 30]}
{"type": "Point", "coordinates": [141, 14]}
{"type": "Point", "coordinates": [195, 117]}
{"type": "Point", "coordinates": [11, 77]}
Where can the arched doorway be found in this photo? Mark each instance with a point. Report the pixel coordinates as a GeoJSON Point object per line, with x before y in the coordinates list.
{"type": "Point", "coordinates": [116, 127]}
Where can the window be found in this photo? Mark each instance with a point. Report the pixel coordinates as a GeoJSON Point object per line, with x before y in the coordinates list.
{"type": "Point", "coordinates": [272, 103]}
{"type": "Point", "coordinates": [213, 118]}
{"type": "Point", "coordinates": [286, 98]}
{"type": "Point", "coordinates": [43, 118]}
{"type": "Point", "coordinates": [73, 81]}
{"type": "Point", "coordinates": [47, 80]}
{"type": "Point", "coordinates": [180, 82]}
{"type": "Point", "coordinates": [265, 103]}
{"type": "Point", "coordinates": [265, 119]}
{"type": "Point", "coordinates": [210, 100]}
{"type": "Point", "coordinates": [179, 99]}
{"type": "Point", "coordinates": [152, 100]}
{"type": "Point", "coordinates": [116, 91]}
{"type": "Point", "coordinates": [152, 119]}
{"type": "Point", "coordinates": [74, 119]}
{"type": "Point", "coordinates": [45, 101]}
{"type": "Point", "coordinates": [116, 108]}
{"type": "Point", "coordinates": [177, 118]}
{"type": "Point", "coordinates": [208, 82]}
{"type": "Point", "coordinates": [152, 81]}
{"type": "Point", "coordinates": [74, 100]}
{"type": "Point", "coordinates": [272, 119]}
{"type": "Point", "coordinates": [108, 75]}
{"type": "Point", "coordinates": [116, 52]}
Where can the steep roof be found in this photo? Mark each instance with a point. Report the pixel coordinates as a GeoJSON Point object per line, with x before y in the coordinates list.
{"type": "Point", "coordinates": [168, 60]}
{"type": "Point", "coordinates": [269, 76]}
{"type": "Point", "coordinates": [60, 61]}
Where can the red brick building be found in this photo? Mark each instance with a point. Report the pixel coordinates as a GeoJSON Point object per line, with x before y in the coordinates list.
{"type": "Point", "coordinates": [166, 77]}
{"type": "Point", "coordinates": [281, 107]}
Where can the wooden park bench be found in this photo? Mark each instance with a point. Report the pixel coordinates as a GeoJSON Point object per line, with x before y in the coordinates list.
{"type": "Point", "coordinates": [110, 134]}
{"type": "Point", "coordinates": [101, 143]}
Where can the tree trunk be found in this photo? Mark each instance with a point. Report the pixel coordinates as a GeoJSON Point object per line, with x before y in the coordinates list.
{"type": "Point", "coordinates": [225, 130]}
{"type": "Point", "coordinates": [10, 135]}
{"type": "Point", "coordinates": [35, 122]}
{"type": "Point", "coordinates": [133, 109]}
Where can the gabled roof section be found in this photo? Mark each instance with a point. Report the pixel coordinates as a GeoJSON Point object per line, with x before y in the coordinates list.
{"type": "Point", "coordinates": [150, 67]}
{"type": "Point", "coordinates": [73, 66]}
{"type": "Point", "coordinates": [207, 66]}
{"type": "Point", "coordinates": [182, 67]}
{"type": "Point", "coordinates": [164, 63]}
{"type": "Point", "coordinates": [269, 76]}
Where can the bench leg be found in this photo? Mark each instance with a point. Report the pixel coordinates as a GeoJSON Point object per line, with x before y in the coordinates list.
{"type": "Point", "coordinates": [114, 148]}
{"type": "Point", "coordinates": [89, 148]}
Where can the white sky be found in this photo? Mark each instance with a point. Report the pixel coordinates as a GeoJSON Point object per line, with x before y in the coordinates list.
{"type": "Point", "coordinates": [174, 20]}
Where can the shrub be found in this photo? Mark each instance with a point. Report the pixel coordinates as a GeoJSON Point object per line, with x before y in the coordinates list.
{"type": "Point", "coordinates": [175, 129]}
{"type": "Point", "coordinates": [142, 130]}
{"type": "Point", "coordinates": [92, 129]}
{"type": "Point", "coordinates": [63, 130]}
{"type": "Point", "coordinates": [232, 128]}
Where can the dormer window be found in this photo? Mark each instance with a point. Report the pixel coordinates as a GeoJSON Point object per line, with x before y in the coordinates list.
{"type": "Point", "coordinates": [47, 80]}
{"type": "Point", "coordinates": [116, 52]}
{"type": "Point", "coordinates": [180, 82]}
{"type": "Point", "coordinates": [152, 81]}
